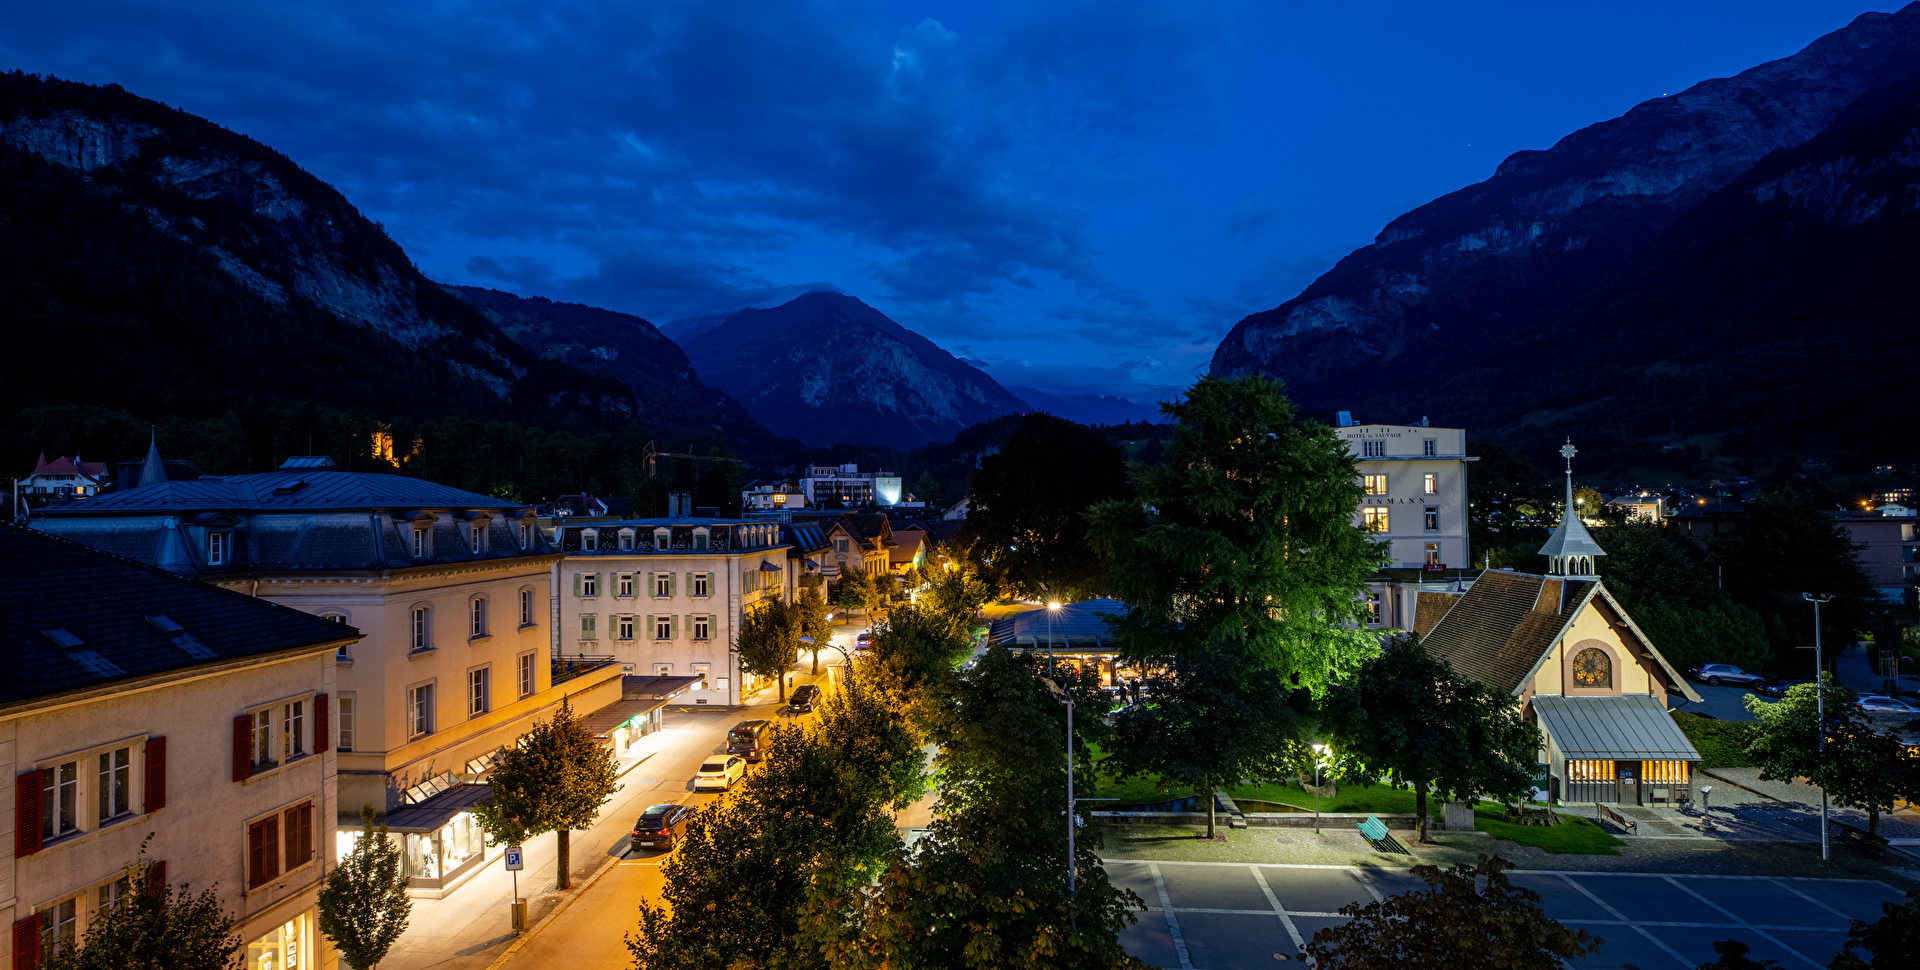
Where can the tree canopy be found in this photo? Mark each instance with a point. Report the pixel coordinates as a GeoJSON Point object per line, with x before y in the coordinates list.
{"type": "Point", "coordinates": [1666, 583]}
{"type": "Point", "coordinates": [768, 642]}
{"type": "Point", "coordinates": [1469, 916]}
{"type": "Point", "coordinates": [154, 926]}
{"type": "Point", "coordinates": [553, 780]}
{"type": "Point", "coordinates": [1860, 767]}
{"type": "Point", "coordinates": [364, 906]}
{"type": "Point", "coordinates": [1788, 545]}
{"type": "Point", "coordinates": [1027, 505]}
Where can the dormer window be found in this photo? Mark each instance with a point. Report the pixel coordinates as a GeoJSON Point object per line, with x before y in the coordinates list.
{"type": "Point", "coordinates": [589, 540]}
{"type": "Point", "coordinates": [700, 540]}
{"type": "Point", "coordinates": [526, 536]}
{"type": "Point", "coordinates": [420, 544]}
{"type": "Point", "coordinates": [626, 540]}
{"type": "Point", "coordinates": [662, 539]}
{"type": "Point", "coordinates": [217, 543]}
{"type": "Point", "coordinates": [478, 535]}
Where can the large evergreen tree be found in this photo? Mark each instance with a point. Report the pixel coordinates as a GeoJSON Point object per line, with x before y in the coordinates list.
{"type": "Point", "coordinates": [1240, 565]}
{"type": "Point", "coordinates": [1027, 504]}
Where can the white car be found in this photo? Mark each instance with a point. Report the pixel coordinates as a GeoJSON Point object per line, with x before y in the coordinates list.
{"type": "Point", "coordinates": [720, 773]}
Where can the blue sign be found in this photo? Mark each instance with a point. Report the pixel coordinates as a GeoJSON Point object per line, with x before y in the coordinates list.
{"type": "Point", "coordinates": [513, 858]}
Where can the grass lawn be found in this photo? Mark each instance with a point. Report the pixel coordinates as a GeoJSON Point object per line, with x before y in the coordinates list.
{"type": "Point", "coordinates": [1722, 744]}
{"type": "Point", "coordinates": [1346, 798]}
{"type": "Point", "coordinates": [1573, 836]}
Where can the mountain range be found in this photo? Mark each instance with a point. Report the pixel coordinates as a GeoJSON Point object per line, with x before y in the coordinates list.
{"type": "Point", "coordinates": [1736, 259]}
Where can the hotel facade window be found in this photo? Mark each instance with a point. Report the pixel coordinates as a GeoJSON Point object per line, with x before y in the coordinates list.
{"type": "Point", "coordinates": [663, 628]}
{"type": "Point", "coordinates": [1374, 519]}
{"type": "Point", "coordinates": [1373, 607]}
{"type": "Point", "coordinates": [1375, 484]}
{"type": "Point", "coordinates": [1431, 518]}
{"type": "Point", "coordinates": [1373, 449]}
{"type": "Point", "coordinates": [586, 584]}
{"type": "Point", "coordinates": [589, 540]}
{"type": "Point", "coordinates": [1430, 484]}
{"type": "Point", "coordinates": [624, 628]}
{"type": "Point", "coordinates": [701, 627]}
{"type": "Point", "coordinates": [1433, 554]}
{"type": "Point", "coordinates": [701, 584]}
{"type": "Point", "coordinates": [1429, 448]}
{"type": "Point", "coordinates": [623, 585]}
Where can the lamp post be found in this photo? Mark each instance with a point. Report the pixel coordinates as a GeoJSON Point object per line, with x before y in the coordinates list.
{"type": "Point", "coordinates": [1053, 606]}
{"type": "Point", "coordinates": [1067, 699]}
{"type": "Point", "coordinates": [1318, 750]}
{"type": "Point", "coordinates": [1820, 708]}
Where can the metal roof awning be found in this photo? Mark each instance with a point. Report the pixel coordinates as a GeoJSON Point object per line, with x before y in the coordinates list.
{"type": "Point", "coordinates": [655, 688]}
{"type": "Point", "coordinates": [1625, 727]}
{"type": "Point", "coordinates": [603, 721]}
{"type": "Point", "coordinates": [429, 815]}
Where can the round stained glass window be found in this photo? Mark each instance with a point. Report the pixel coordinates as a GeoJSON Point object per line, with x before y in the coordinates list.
{"type": "Point", "coordinates": [1593, 668]}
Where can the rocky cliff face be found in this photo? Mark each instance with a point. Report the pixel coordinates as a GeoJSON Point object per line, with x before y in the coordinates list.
{"type": "Point", "coordinates": [826, 368]}
{"type": "Point", "coordinates": [1474, 270]}
{"type": "Point", "coordinates": [284, 236]}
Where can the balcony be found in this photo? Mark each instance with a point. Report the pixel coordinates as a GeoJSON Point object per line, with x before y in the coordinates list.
{"type": "Point", "coordinates": [567, 668]}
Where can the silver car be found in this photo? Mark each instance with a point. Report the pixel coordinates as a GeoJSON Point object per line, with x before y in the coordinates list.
{"type": "Point", "coordinates": [1717, 674]}
{"type": "Point", "coordinates": [1882, 704]}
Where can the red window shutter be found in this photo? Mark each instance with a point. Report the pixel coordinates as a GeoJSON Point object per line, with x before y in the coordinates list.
{"type": "Point", "coordinates": [256, 853]}
{"type": "Point", "coordinates": [243, 747]}
{"type": "Point", "coordinates": [322, 723]}
{"type": "Point", "coordinates": [157, 877]}
{"type": "Point", "coordinates": [156, 774]}
{"type": "Point", "coordinates": [271, 857]}
{"type": "Point", "coordinates": [299, 835]}
{"type": "Point", "coordinates": [27, 793]}
{"type": "Point", "coordinates": [26, 939]}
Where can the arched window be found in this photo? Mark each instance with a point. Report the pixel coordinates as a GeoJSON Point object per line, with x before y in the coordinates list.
{"type": "Point", "coordinates": [1592, 667]}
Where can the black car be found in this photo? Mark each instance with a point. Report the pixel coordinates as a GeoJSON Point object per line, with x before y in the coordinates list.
{"type": "Point", "coordinates": [803, 699]}
{"type": "Point", "coordinates": [1779, 688]}
{"type": "Point", "coordinates": [659, 826]}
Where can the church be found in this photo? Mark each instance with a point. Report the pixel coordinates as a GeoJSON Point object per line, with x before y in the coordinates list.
{"type": "Point", "coordinates": [1592, 681]}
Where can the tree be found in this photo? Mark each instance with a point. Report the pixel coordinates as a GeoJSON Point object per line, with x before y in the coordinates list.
{"type": "Point", "coordinates": [1453, 923]}
{"type": "Point", "coordinates": [1508, 506]}
{"type": "Point", "coordinates": [1663, 579]}
{"type": "Point", "coordinates": [1027, 503]}
{"type": "Point", "coordinates": [955, 595]}
{"type": "Point", "coordinates": [987, 887]}
{"type": "Point", "coordinates": [554, 780]}
{"type": "Point", "coordinates": [1788, 545]}
{"type": "Point", "coordinates": [155, 927]}
{"type": "Point", "coordinates": [1733, 956]}
{"type": "Point", "coordinates": [1860, 767]}
{"type": "Point", "coordinates": [364, 906]}
{"type": "Point", "coordinates": [1893, 940]}
{"type": "Point", "coordinates": [1240, 563]}
{"type": "Point", "coordinates": [1409, 718]}
{"type": "Point", "coordinates": [926, 488]}
{"type": "Point", "coordinates": [769, 640]}
{"type": "Point", "coordinates": [912, 664]}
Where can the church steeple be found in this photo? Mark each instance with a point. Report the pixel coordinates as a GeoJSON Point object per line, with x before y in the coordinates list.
{"type": "Point", "coordinates": [1570, 551]}
{"type": "Point", "coordinates": [153, 469]}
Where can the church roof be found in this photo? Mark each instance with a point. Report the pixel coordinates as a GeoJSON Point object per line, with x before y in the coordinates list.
{"type": "Point", "coordinates": [1614, 727]}
{"type": "Point", "coordinates": [1570, 537]}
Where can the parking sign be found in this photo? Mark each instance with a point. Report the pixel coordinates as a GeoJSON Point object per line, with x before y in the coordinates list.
{"type": "Point", "coordinates": [513, 858]}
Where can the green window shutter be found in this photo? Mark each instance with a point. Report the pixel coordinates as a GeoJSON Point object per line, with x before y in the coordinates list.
{"type": "Point", "coordinates": [673, 623]}
{"type": "Point", "coordinates": [646, 632]}
{"type": "Point", "coordinates": [669, 584]}
{"type": "Point", "coordinates": [576, 584]}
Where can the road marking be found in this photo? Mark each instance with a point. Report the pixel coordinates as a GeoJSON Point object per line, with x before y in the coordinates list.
{"type": "Point", "coordinates": [1368, 885]}
{"type": "Point", "coordinates": [1279, 910]}
{"type": "Point", "coordinates": [1814, 901]}
{"type": "Point", "coordinates": [1730, 915]}
{"type": "Point", "coordinates": [1622, 917]}
{"type": "Point", "coordinates": [1173, 922]}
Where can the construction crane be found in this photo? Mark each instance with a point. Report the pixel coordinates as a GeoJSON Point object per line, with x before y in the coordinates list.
{"type": "Point", "coordinates": [652, 453]}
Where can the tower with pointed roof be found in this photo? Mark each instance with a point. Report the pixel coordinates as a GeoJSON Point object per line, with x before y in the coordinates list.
{"type": "Point", "coordinates": [1570, 551]}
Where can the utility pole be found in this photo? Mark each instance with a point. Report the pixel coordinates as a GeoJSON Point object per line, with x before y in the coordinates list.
{"type": "Point", "coordinates": [1820, 709]}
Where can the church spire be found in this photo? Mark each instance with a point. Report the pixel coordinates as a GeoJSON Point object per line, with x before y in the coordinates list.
{"type": "Point", "coordinates": [153, 469]}
{"type": "Point", "coordinates": [1570, 551]}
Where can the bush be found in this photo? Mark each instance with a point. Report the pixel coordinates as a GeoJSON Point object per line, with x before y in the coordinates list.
{"type": "Point", "coordinates": [1722, 744]}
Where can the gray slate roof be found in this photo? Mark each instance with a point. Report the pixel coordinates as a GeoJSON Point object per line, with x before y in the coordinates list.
{"type": "Point", "coordinates": [298, 490]}
{"type": "Point", "coordinates": [105, 605]}
{"type": "Point", "coordinates": [1621, 727]}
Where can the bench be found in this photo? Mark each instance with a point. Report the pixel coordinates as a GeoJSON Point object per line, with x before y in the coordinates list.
{"type": "Point", "coordinates": [1858, 838]}
{"type": "Point", "coordinates": [1377, 836]}
{"type": "Point", "coordinates": [1626, 824]}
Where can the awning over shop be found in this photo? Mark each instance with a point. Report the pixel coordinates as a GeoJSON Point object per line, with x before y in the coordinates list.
{"type": "Point", "coordinates": [430, 815]}
{"type": "Point", "coordinates": [1625, 727]}
{"type": "Point", "coordinates": [605, 721]}
{"type": "Point", "coordinates": [655, 688]}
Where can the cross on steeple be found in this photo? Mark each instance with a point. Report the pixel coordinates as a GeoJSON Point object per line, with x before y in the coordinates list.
{"type": "Point", "coordinates": [1567, 451]}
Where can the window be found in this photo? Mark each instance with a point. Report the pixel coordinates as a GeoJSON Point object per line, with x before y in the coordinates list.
{"type": "Point", "coordinates": [420, 710]}
{"type": "Point", "coordinates": [662, 585]}
{"type": "Point", "coordinates": [624, 628]}
{"type": "Point", "coordinates": [1430, 484]}
{"type": "Point", "coordinates": [1431, 518]}
{"type": "Point", "coordinates": [479, 611]}
{"type": "Point", "coordinates": [586, 584]}
{"type": "Point", "coordinates": [1433, 554]}
{"type": "Point", "coordinates": [1375, 484]}
{"type": "Point", "coordinates": [525, 674]}
{"type": "Point", "coordinates": [422, 628]}
{"type": "Point", "coordinates": [702, 627]}
{"type": "Point", "coordinates": [663, 670]}
{"type": "Point", "coordinates": [293, 730]}
{"type": "Point", "coordinates": [526, 536]}
{"type": "Point", "coordinates": [60, 800]}
{"type": "Point", "coordinates": [662, 539]}
{"type": "Point", "coordinates": [623, 584]}
{"type": "Point", "coordinates": [58, 926]}
{"type": "Point", "coordinates": [262, 738]}
{"type": "Point", "coordinates": [1373, 607]}
{"type": "Point", "coordinates": [1374, 519]}
{"type": "Point", "coordinates": [1373, 449]}
{"type": "Point", "coordinates": [477, 692]}
{"type": "Point", "coordinates": [1429, 447]}
{"type": "Point", "coordinates": [1593, 668]}
{"type": "Point", "coordinates": [526, 607]}
{"type": "Point", "coordinates": [419, 543]}
{"type": "Point", "coordinates": [589, 626]}
{"type": "Point", "coordinates": [589, 540]}
{"type": "Point", "coordinates": [110, 894]}
{"type": "Point", "coordinates": [263, 851]}
{"type": "Point", "coordinates": [663, 628]}
{"type": "Point", "coordinates": [699, 540]}
{"type": "Point", "coordinates": [840, 546]}
{"type": "Point", "coordinates": [299, 840]}
{"type": "Point", "coordinates": [217, 548]}
{"type": "Point", "coordinates": [116, 782]}
{"type": "Point", "coordinates": [700, 671]}
{"type": "Point", "coordinates": [702, 584]}
{"type": "Point", "coordinates": [345, 720]}
{"type": "Point", "coordinates": [626, 540]}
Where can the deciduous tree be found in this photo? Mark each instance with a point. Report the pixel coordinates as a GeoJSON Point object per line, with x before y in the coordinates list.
{"type": "Point", "coordinates": [1861, 767]}
{"type": "Point", "coordinates": [1469, 916]}
{"type": "Point", "coordinates": [153, 926]}
{"type": "Point", "coordinates": [1027, 504]}
{"type": "Point", "coordinates": [769, 640]}
{"type": "Point", "coordinates": [1891, 942]}
{"type": "Point", "coordinates": [912, 664]}
{"type": "Point", "coordinates": [553, 780]}
{"type": "Point", "coordinates": [364, 906]}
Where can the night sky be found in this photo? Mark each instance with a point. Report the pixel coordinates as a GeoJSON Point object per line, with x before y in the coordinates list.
{"type": "Point", "coordinates": [1079, 196]}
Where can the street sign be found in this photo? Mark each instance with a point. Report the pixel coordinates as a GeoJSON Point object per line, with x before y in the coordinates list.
{"type": "Point", "coordinates": [513, 858]}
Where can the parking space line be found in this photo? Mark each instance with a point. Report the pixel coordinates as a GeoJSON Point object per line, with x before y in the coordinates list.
{"type": "Point", "coordinates": [1368, 885]}
{"type": "Point", "coordinates": [1814, 901]}
{"type": "Point", "coordinates": [1173, 922]}
{"type": "Point", "coordinates": [1279, 910]}
{"type": "Point", "coordinates": [1622, 917]}
{"type": "Point", "coordinates": [1770, 938]}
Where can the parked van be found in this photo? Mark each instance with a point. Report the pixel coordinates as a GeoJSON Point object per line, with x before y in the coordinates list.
{"type": "Point", "coordinates": [748, 739]}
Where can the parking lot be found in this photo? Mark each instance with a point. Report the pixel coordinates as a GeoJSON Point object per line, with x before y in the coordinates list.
{"type": "Point", "coordinates": [1229, 916]}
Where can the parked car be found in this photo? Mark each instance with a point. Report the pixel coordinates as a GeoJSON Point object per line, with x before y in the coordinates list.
{"type": "Point", "coordinates": [719, 774]}
{"type": "Point", "coordinates": [1779, 688]}
{"type": "Point", "coordinates": [1717, 674]}
{"type": "Point", "coordinates": [1882, 704]}
{"type": "Point", "coordinates": [748, 739]}
{"type": "Point", "coordinates": [803, 699]}
{"type": "Point", "coordinates": [863, 642]}
{"type": "Point", "coordinates": [659, 825]}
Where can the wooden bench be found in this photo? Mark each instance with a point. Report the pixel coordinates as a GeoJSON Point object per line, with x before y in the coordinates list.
{"type": "Point", "coordinates": [1377, 836]}
{"type": "Point", "coordinates": [1858, 838]}
{"type": "Point", "coordinates": [1626, 824]}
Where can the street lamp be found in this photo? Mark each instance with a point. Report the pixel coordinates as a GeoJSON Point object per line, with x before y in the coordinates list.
{"type": "Point", "coordinates": [1053, 606]}
{"type": "Point", "coordinates": [1319, 749]}
{"type": "Point", "coordinates": [1820, 708]}
{"type": "Point", "coordinates": [1067, 699]}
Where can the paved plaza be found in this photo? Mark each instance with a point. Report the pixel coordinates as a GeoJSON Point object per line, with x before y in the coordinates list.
{"type": "Point", "coordinates": [1236, 916]}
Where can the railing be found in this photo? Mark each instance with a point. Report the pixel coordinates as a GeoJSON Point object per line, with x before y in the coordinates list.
{"type": "Point", "coordinates": [567, 668]}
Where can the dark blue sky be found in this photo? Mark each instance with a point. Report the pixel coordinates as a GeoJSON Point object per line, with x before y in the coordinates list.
{"type": "Point", "coordinates": [1080, 195]}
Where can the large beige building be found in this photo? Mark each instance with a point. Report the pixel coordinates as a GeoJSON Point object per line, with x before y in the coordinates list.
{"type": "Point", "coordinates": [138, 706]}
{"type": "Point", "coordinates": [1415, 479]}
{"type": "Point", "coordinates": [451, 589]}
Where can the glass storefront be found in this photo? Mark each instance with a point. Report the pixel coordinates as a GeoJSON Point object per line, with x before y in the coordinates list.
{"type": "Point", "coordinates": [284, 948]}
{"type": "Point", "coordinates": [445, 852]}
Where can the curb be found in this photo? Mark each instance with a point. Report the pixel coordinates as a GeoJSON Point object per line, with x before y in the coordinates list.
{"type": "Point", "coordinates": [572, 894]}
{"type": "Point", "coordinates": [1910, 852]}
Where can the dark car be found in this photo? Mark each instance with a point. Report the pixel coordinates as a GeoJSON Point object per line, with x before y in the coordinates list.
{"type": "Point", "coordinates": [1717, 674]}
{"type": "Point", "coordinates": [803, 699]}
{"type": "Point", "coordinates": [1779, 688]}
{"type": "Point", "coordinates": [863, 642]}
{"type": "Point", "coordinates": [748, 739]}
{"type": "Point", "coordinates": [659, 826]}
